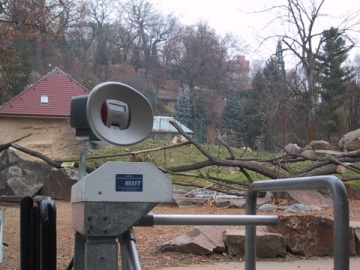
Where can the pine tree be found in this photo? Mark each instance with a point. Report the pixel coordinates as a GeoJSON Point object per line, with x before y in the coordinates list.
{"type": "Point", "coordinates": [183, 108]}
{"type": "Point", "coordinates": [333, 80]}
{"type": "Point", "coordinates": [232, 120]}
{"type": "Point", "coordinates": [274, 70]}
{"type": "Point", "coordinates": [276, 96]}
{"type": "Point", "coordinates": [200, 119]}
{"type": "Point", "coordinates": [253, 115]}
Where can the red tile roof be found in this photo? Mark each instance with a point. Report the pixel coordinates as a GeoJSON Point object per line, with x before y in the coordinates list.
{"type": "Point", "coordinates": [57, 88]}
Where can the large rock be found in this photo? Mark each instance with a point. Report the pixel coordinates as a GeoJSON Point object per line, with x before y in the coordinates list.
{"type": "Point", "coordinates": [318, 145]}
{"type": "Point", "coordinates": [308, 153]}
{"type": "Point", "coordinates": [309, 235]}
{"type": "Point", "coordinates": [21, 177]}
{"type": "Point", "coordinates": [355, 227]}
{"type": "Point", "coordinates": [350, 141]}
{"type": "Point", "coordinates": [30, 178]}
{"type": "Point", "coordinates": [268, 245]}
{"type": "Point", "coordinates": [202, 240]}
{"type": "Point", "coordinates": [184, 201]}
{"type": "Point", "coordinates": [230, 203]}
{"type": "Point", "coordinates": [306, 197]}
{"type": "Point", "coordinates": [59, 182]}
{"type": "Point", "coordinates": [290, 149]}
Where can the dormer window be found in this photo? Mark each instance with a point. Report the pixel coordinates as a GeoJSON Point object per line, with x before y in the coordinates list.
{"type": "Point", "coordinates": [44, 99]}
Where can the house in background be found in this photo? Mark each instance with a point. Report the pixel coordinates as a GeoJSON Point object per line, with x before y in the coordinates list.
{"type": "Point", "coordinates": [167, 100]}
{"type": "Point", "coordinates": [43, 110]}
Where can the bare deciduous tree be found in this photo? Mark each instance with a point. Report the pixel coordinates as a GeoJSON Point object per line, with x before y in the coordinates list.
{"type": "Point", "coordinates": [152, 30]}
{"type": "Point", "coordinates": [303, 38]}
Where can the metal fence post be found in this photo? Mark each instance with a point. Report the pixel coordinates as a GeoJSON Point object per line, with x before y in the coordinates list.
{"type": "Point", "coordinates": [26, 205]}
{"type": "Point", "coordinates": [47, 232]}
{"type": "Point", "coordinates": [341, 213]}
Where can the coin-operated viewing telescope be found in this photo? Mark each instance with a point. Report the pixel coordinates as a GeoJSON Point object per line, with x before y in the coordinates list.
{"type": "Point", "coordinates": [109, 201]}
{"type": "Point", "coordinates": [114, 113]}
{"type": "Point", "coordinates": [118, 114]}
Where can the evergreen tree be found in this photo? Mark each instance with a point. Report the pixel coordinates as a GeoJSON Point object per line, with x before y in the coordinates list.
{"type": "Point", "coordinates": [276, 97]}
{"type": "Point", "coordinates": [333, 80]}
{"type": "Point", "coordinates": [253, 115]}
{"type": "Point", "coordinates": [274, 70]}
{"type": "Point", "coordinates": [23, 51]}
{"type": "Point", "coordinates": [199, 116]}
{"type": "Point", "coordinates": [232, 120]}
{"type": "Point", "coordinates": [183, 108]}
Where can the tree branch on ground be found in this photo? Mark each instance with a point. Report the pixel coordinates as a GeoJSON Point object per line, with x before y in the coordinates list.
{"type": "Point", "coordinates": [323, 163]}
{"type": "Point", "coordinates": [221, 182]}
{"type": "Point", "coordinates": [8, 144]}
{"type": "Point", "coordinates": [227, 181]}
{"type": "Point", "coordinates": [209, 188]}
{"type": "Point", "coordinates": [220, 139]}
{"type": "Point", "coordinates": [38, 155]}
{"type": "Point", "coordinates": [133, 153]}
{"type": "Point", "coordinates": [252, 166]}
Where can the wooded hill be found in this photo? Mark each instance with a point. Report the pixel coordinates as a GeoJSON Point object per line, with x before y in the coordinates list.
{"type": "Point", "coordinates": [133, 42]}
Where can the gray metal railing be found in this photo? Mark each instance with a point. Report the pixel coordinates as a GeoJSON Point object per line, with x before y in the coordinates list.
{"type": "Point", "coordinates": [341, 213]}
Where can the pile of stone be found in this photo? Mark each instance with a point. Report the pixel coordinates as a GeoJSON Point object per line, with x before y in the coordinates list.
{"type": "Point", "coordinates": [29, 178]}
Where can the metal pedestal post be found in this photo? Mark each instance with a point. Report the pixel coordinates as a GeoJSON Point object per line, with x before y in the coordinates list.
{"type": "Point", "coordinates": [101, 253]}
{"type": "Point", "coordinates": [93, 253]}
{"type": "Point", "coordinates": [79, 251]}
{"type": "Point", "coordinates": [129, 255]}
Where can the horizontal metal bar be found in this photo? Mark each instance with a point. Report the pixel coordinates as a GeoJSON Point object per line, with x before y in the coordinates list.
{"type": "Point", "coordinates": [11, 201]}
{"type": "Point", "coordinates": [215, 220]}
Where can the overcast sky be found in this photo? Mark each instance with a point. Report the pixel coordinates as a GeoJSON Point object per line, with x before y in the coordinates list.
{"type": "Point", "coordinates": [240, 18]}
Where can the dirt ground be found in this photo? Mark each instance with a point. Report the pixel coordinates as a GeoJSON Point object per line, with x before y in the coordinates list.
{"type": "Point", "coordinates": [147, 237]}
